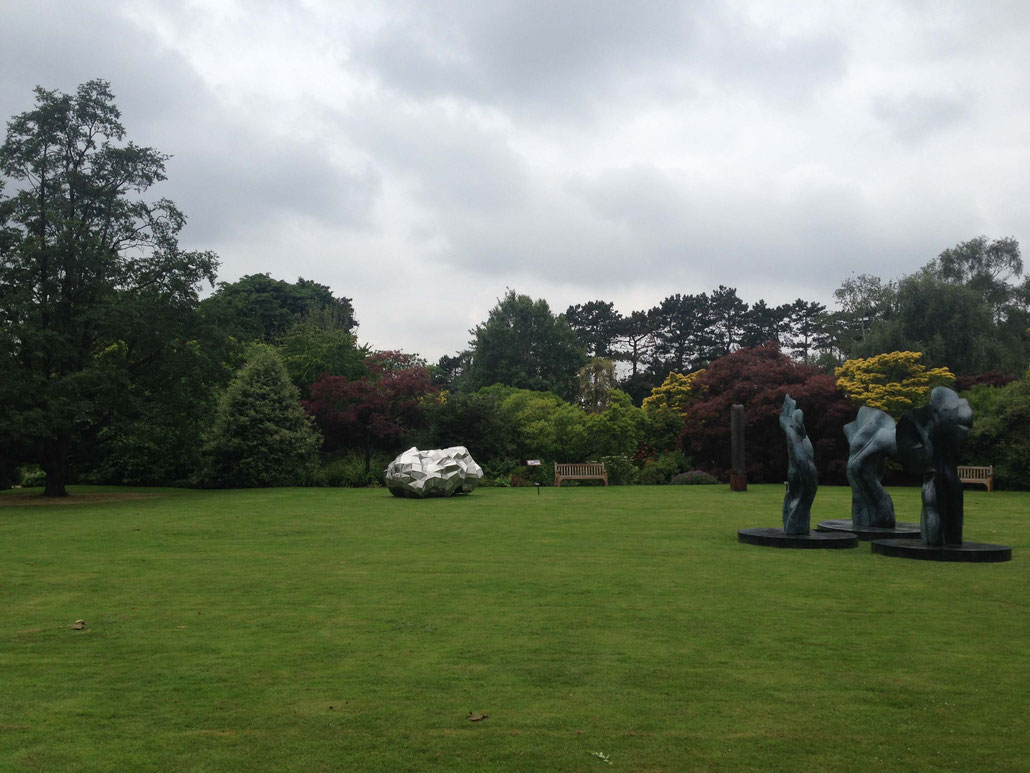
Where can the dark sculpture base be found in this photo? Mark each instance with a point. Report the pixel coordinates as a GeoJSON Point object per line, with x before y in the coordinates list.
{"type": "Point", "coordinates": [970, 552]}
{"type": "Point", "coordinates": [738, 482]}
{"type": "Point", "coordinates": [900, 530]}
{"type": "Point", "coordinates": [775, 538]}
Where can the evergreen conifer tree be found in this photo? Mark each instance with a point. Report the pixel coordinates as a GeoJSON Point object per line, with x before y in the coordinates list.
{"type": "Point", "coordinates": [261, 435]}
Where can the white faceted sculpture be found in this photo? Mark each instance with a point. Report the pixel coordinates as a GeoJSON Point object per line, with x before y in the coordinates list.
{"type": "Point", "coordinates": [437, 473]}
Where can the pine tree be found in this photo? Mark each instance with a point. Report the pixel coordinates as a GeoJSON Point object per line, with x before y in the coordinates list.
{"type": "Point", "coordinates": [261, 435]}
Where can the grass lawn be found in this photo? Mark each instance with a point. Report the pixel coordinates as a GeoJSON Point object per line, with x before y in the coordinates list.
{"type": "Point", "coordinates": [322, 629]}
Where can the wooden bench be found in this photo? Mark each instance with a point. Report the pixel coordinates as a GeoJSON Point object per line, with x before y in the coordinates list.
{"type": "Point", "coordinates": [984, 475]}
{"type": "Point", "coordinates": [586, 471]}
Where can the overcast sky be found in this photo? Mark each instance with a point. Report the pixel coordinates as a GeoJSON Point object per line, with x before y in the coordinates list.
{"type": "Point", "coordinates": [420, 157]}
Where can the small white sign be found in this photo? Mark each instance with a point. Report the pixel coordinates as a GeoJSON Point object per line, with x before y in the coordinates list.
{"type": "Point", "coordinates": [533, 462]}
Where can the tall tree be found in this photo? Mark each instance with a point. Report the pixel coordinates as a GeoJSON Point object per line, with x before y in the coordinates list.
{"type": "Point", "coordinates": [261, 435]}
{"type": "Point", "coordinates": [635, 340]}
{"type": "Point", "coordinates": [683, 333]}
{"type": "Point", "coordinates": [763, 324]}
{"type": "Point", "coordinates": [85, 259]}
{"type": "Point", "coordinates": [862, 300]}
{"type": "Point", "coordinates": [596, 382]}
{"type": "Point", "coordinates": [950, 324]}
{"type": "Point", "coordinates": [728, 314]}
{"type": "Point", "coordinates": [806, 329]}
{"type": "Point", "coordinates": [522, 344]}
{"type": "Point", "coordinates": [597, 326]}
{"type": "Point", "coordinates": [311, 348]}
{"type": "Point", "coordinates": [994, 269]}
{"type": "Point", "coordinates": [257, 307]}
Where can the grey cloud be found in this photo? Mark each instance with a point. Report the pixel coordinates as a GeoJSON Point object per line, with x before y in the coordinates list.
{"type": "Point", "coordinates": [556, 60]}
{"type": "Point", "coordinates": [541, 55]}
{"type": "Point", "coordinates": [453, 160]}
{"type": "Point", "coordinates": [786, 69]}
{"type": "Point", "coordinates": [235, 178]}
{"type": "Point", "coordinates": [917, 117]}
{"type": "Point", "coordinates": [226, 174]}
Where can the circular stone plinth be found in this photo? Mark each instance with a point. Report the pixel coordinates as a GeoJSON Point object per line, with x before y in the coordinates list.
{"type": "Point", "coordinates": [900, 530]}
{"type": "Point", "coordinates": [971, 552]}
{"type": "Point", "coordinates": [775, 538]}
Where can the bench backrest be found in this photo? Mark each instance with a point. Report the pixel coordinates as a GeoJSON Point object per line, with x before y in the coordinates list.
{"type": "Point", "coordinates": [975, 473]}
{"type": "Point", "coordinates": [588, 468]}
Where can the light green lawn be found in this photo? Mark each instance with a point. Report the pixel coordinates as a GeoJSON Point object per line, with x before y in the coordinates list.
{"type": "Point", "coordinates": [320, 629]}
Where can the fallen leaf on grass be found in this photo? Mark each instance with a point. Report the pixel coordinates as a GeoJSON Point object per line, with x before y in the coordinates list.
{"type": "Point", "coordinates": [180, 626]}
{"type": "Point", "coordinates": [78, 625]}
{"type": "Point", "coordinates": [473, 717]}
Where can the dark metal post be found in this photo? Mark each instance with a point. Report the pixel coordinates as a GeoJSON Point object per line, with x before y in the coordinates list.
{"type": "Point", "coordinates": [738, 466]}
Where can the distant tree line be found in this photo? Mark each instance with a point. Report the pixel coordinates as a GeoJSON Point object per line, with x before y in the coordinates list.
{"type": "Point", "coordinates": [115, 371]}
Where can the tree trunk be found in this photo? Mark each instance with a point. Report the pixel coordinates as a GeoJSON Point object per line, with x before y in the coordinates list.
{"type": "Point", "coordinates": [55, 465]}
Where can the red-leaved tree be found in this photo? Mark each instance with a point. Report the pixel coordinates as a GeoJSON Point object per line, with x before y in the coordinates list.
{"type": "Point", "coordinates": [758, 379]}
{"type": "Point", "coordinates": [372, 412]}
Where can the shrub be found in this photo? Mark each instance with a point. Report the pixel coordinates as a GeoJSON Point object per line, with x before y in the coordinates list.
{"type": "Point", "coordinates": [694, 478]}
{"type": "Point", "coordinates": [758, 379]}
{"type": "Point", "coordinates": [999, 437]}
{"type": "Point", "coordinates": [32, 476]}
{"type": "Point", "coordinates": [526, 475]}
{"type": "Point", "coordinates": [348, 471]}
{"type": "Point", "coordinates": [894, 382]}
{"type": "Point", "coordinates": [660, 470]}
{"type": "Point", "coordinates": [620, 469]}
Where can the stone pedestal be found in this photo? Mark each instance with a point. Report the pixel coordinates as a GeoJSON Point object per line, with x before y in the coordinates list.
{"type": "Point", "coordinates": [898, 531]}
{"type": "Point", "coordinates": [967, 552]}
{"type": "Point", "coordinates": [777, 538]}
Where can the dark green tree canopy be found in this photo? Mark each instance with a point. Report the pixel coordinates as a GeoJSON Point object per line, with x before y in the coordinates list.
{"type": "Point", "coordinates": [84, 259]}
{"type": "Point", "coordinates": [522, 344]}
{"type": "Point", "coordinates": [257, 307]}
{"type": "Point", "coordinates": [683, 333]}
{"type": "Point", "coordinates": [261, 435]}
{"type": "Point", "coordinates": [994, 269]}
{"type": "Point", "coordinates": [597, 325]}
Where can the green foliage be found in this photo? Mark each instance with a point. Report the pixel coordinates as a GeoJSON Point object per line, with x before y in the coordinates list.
{"type": "Point", "coordinates": [32, 476]}
{"type": "Point", "coordinates": [348, 470]}
{"type": "Point", "coordinates": [477, 421]}
{"type": "Point", "coordinates": [999, 436]}
{"type": "Point", "coordinates": [547, 427]}
{"type": "Point", "coordinates": [95, 294]}
{"type": "Point", "coordinates": [621, 470]}
{"type": "Point", "coordinates": [596, 382]}
{"type": "Point", "coordinates": [994, 269]}
{"type": "Point", "coordinates": [661, 469]}
{"type": "Point", "coordinates": [618, 430]}
{"type": "Point", "coordinates": [261, 435]}
{"type": "Point", "coordinates": [950, 324]}
{"type": "Point", "coordinates": [257, 307]}
{"type": "Point", "coordinates": [498, 472]}
{"type": "Point", "coordinates": [597, 326]}
{"type": "Point", "coordinates": [310, 349]}
{"type": "Point", "coordinates": [523, 345]}
{"type": "Point", "coordinates": [694, 478]}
